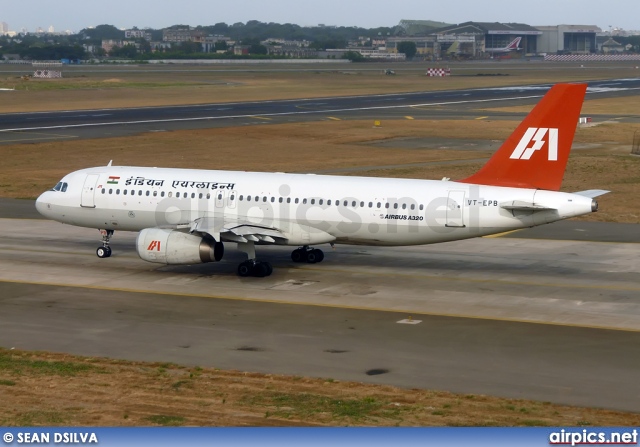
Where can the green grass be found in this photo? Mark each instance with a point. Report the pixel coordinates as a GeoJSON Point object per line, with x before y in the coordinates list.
{"type": "Point", "coordinates": [305, 405]}
{"type": "Point", "coordinates": [44, 85]}
{"type": "Point", "coordinates": [7, 382]}
{"type": "Point", "coordinates": [41, 418]}
{"type": "Point", "coordinates": [166, 421]}
{"type": "Point", "coordinates": [17, 364]}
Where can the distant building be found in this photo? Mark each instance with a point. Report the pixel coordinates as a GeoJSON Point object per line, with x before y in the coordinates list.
{"type": "Point", "coordinates": [183, 35]}
{"type": "Point", "coordinates": [4, 27]}
{"type": "Point", "coordinates": [209, 43]}
{"type": "Point", "coordinates": [368, 53]}
{"type": "Point", "coordinates": [241, 50]}
{"type": "Point", "coordinates": [137, 34]}
{"type": "Point", "coordinates": [160, 46]}
{"type": "Point", "coordinates": [426, 46]}
{"type": "Point", "coordinates": [51, 29]}
{"type": "Point", "coordinates": [108, 45]}
{"type": "Point", "coordinates": [573, 39]}
{"type": "Point", "coordinates": [611, 46]}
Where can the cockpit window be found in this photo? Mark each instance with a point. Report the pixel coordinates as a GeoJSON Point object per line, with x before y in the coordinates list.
{"type": "Point", "coordinates": [61, 187]}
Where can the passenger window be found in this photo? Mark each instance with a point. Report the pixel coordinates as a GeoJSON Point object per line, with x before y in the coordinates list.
{"type": "Point", "coordinates": [219, 196]}
{"type": "Point", "coordinates": [177, 195]}
{"type": "Point", "coordinates": [232, 197]}
{"type": "Point", "coordinates": [370, 205]}
{"type": "Point", "coordinates": [288, 199]}
{"type": "Point", "coordinates": [329, 202]}
{"type": "Point", "coordinates": [264, 198]}
{"type": "Point", "coordinates": [281, 200]}
{"type": "Point", "coordinates": [193, 195]}
{"type": "Point", "coordinates": [111, 191]}
{"type": "Point", "coordinates": [273, 199]}
{"type": "Point", "coordinates": [103, 190]}
{"type": "Point", "coordinates": [304, 201]}
{"type": "Point", "coordinates": [162, 194]}
{"type": "Point", "coordinates": [413, 207]}
{"type": "Point", "coordinates": [421, 207]}
{"type": "Point", "coordinates": [297, 200]}
{"type": "Point", "coordinates": [257, 199]}
{"type": "Point", "coordinates": [404, 206]}
{"type": "Point", "coordinates": [395, 206]}
{"type": "Point", "coordinates": [169, 194]}
{"type": "Point", "coordinates": [248, 198]}
{"type": "Point", "coordinates": [361, 204]}
{"type": "Point", "coordinates": [313, 201]}
{"type": "Point", "coordinates": [379, 204]}
{"type": "Point", "coordinates": [148, 193]}
{"type": "Point", "coordinates": [117, 192]}
{"type": "Point", "coordinates": [345, 203]}
{"type": "Point", "coordinates": [124, 192]}
{"type": "Point", "coordinates": [208, 196]}
{"type": "Point", "coordinates": [353, 204]}
{"type": "Point", "coordinates": [386, 205]}
{"type": "Point", "coordinates": [140, 192]}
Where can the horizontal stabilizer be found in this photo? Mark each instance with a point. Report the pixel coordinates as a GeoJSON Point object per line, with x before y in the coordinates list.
{"type": "Point", "coordinates": [592, 193]}
{"type": "Point", "coordinates": [518, 205]}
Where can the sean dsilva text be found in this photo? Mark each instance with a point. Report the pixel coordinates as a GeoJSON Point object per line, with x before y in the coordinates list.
{"type": "Point", "coordinates": [57, 438]}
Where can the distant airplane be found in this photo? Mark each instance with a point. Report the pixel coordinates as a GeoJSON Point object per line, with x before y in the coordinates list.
{"type": "Point", "coordinates": [513, 46]}
{"type": "Point", "coordinates": [186, 216]}
{"type": "Point", "coordinates": [454, 51]}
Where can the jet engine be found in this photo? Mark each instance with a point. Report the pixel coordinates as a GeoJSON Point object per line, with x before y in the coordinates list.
{"type": "Point", "coordinates": [175, 247]}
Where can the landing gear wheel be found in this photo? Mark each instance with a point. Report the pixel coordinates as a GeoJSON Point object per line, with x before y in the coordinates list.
{"type": "Point", "coordinates": [269, 268]}
{"type": "Point", "coordinates": [312, 257]}
{"type": "Point", "coordinates": [319, 255]}
{"type": "Point", "coordinates": [298, 255]}
{"type": "Point", "coordinates": [260, 270]}
{"type": "Point", "coordinates": [245, 269]}
{"type": "Point", "coordinates": [103, 252]}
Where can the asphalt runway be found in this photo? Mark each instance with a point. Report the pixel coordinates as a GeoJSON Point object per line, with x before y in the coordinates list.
{"type": "Point", "coordinates": [455, 104]}
{"type": "Point", "coordinates": [556, 321]}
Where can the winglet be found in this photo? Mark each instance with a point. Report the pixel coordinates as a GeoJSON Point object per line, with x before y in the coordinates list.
{"type": "Point", "coordinates": [110, 161]}
{"type": "Point", "coordinates": [536, 153]}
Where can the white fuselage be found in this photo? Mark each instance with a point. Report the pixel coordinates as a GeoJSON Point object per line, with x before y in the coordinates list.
{"type": "Point", "coordinates": [351, 210]}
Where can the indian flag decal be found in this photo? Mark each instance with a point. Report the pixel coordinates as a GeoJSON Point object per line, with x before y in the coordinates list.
{"type": "Point", "coordinates": [113, 180]}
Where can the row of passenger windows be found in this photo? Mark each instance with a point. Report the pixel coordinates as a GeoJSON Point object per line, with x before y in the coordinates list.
{"type": "Point", "coordinates": [264, 199]}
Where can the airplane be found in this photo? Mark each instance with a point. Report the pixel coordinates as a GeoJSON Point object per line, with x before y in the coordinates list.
{"type": "Point", "coordinates": [513, 45]}
{"type": "Point", "coordinates": [186, 216]}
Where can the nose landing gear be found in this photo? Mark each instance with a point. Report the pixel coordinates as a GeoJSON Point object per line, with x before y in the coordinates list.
{"type": "Point", "coordinates": [105, 250]}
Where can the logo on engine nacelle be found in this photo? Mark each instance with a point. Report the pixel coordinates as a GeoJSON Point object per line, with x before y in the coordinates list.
{"type": "Point", "coordinates": [154, 245]}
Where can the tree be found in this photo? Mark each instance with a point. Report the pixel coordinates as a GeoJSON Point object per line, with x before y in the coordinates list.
{"type": "Point", "coordinates": [408, 48]}
{"type": "Point", "coordinates": [258, 49]}
{"type": "Point", "coordinates": [353, 56]}
{"type": "Point", "coordinates": [127, 51]}
{"type": "Point", "coordinates": [221, 45]}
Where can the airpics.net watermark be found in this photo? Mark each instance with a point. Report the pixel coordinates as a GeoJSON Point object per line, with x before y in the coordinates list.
{"type": "Point", "coordinates": [592, 437]}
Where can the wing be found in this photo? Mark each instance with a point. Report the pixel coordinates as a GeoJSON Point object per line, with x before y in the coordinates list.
{"type": "Point", "coordinates": [238, 231]}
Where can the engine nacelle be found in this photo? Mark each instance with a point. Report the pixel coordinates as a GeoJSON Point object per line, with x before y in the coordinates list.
{"type": "Point", "coordinates": [174, 247]}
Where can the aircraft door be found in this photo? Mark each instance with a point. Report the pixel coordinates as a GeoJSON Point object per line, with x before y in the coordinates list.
{"type": "Point", "coordinates": [455, 209]}
{"type": "Point", "coordinates": [87, 199]}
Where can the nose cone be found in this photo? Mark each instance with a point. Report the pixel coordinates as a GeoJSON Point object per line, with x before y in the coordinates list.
{"type": "Point", "coordinates": [43, 205]}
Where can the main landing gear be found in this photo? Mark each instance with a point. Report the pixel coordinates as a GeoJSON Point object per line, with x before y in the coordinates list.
{"type": "Point", "coordinates": [252, 267]}
{"type": "Point", "coordinates": [105, 250]}
{"type": "Point", "coordinates": [307, 254]}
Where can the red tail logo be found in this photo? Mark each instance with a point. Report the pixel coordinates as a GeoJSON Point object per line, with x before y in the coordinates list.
{"type": "Point", "coordinates": [520, 161]}
{"type": "Point", "coordinates": [154, 245]}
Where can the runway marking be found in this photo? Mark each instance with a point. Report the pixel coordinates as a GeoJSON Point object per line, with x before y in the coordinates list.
{"type": "Point", "coordinates": [334, 118]}
{"type": "Point", "coordinates": [334, 306]}
{"type": "Point", "coordinates": [409, 117]}
{"type": "Point", "coordinates": [482, 117]}
{"type": "Point", "coordinates": [261, 118]}
{"type": "Point", "coordinates": [262, 115]}
{"type": "Point", "coordinates": [502, 234]}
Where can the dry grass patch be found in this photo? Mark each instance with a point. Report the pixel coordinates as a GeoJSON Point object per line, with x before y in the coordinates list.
{"type": "Point", "coordinates": [105, 392]}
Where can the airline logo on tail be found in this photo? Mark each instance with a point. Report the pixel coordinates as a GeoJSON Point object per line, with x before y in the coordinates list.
{"type": "Point", "coordinates": [537, 135]}
{"type": "Point", "coordinates": [514, 44]}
